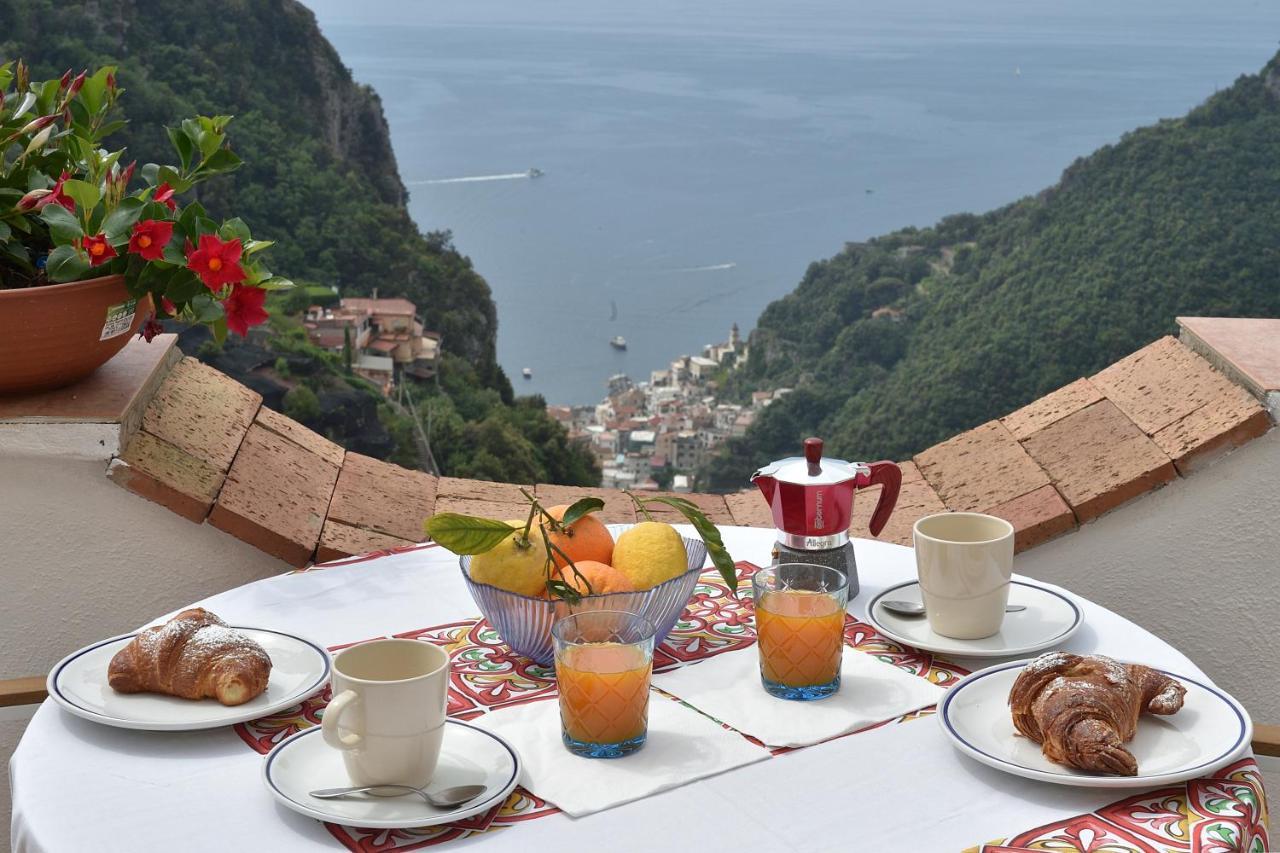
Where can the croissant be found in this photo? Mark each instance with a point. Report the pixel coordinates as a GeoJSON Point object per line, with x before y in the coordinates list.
{"type": "Point", "coordinates": [1083, 709]}
{"type": "Point", "coordinates": [193, 656]}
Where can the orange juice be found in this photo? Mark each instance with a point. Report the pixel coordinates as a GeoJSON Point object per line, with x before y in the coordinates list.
{"type": "Point", "coordinates": [801, 637]}
{"type": "Point", "coordinates": [604, 692]}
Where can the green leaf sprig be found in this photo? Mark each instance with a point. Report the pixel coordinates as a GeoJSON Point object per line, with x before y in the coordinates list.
{"type": "Point", "coordinates": [706, 529]}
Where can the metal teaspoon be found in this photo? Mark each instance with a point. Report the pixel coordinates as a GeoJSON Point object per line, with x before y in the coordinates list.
{"type": "Point", "coordinates": [912, 608]}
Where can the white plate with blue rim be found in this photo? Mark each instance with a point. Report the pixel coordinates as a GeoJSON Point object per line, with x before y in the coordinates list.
{"type": "Point", "coordinates": [1050, 618]}
{"type": "Point", "coordinates": [1211, 730]}
{"type": "Point", "coordinates": [299, 668]}
{"type": "Point", "coordinates": [469, 755]}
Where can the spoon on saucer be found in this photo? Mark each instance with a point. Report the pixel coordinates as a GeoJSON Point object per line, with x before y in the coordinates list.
{"type": "Point", "coordinates": [914, 608]}
{"type": "Point", "coordinates": [446, 799]}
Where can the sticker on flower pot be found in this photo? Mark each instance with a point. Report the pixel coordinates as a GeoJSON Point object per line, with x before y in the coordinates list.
{"type": "Point", "coordinates": [119, 319]}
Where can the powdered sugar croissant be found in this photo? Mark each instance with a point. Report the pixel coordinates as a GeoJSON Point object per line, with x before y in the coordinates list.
{"type": "Point", "coordinates": [193, 656]}
{"type": "Point", "coordinates": [1083, 709]}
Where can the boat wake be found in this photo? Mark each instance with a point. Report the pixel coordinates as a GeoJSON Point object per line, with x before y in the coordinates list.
{"type": "Point", "coordinates": [513, 176]}
{"type": "Point", "coordinates": [708, 268]}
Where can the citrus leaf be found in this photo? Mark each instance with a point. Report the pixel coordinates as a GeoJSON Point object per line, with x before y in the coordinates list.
{"type": "Point", "coordinates": [710, 536]}
{"type": "Point", "coordinates": [560, 589]}
{"type": "Point", "coordinates": [466, 534]}
{"type": "Point", "coordinates": [580, 508]}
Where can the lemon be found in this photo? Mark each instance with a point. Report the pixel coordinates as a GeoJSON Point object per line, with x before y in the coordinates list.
{"type": "Point", "coordinates": [650, 553]}
{"type": "Point", "coordinates": [514, 565]}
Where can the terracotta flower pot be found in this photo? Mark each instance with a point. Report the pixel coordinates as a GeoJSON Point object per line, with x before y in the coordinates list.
{"type": "Point", "coordinates": [51, 336]}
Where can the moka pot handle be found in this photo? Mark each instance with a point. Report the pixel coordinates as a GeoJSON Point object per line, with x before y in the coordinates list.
{"type": "Point", "coordinates": [889, 477]}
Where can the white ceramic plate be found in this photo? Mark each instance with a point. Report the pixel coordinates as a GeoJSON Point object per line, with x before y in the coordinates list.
{"type": "Point", "coordinates": [1210, 731]}
{"type": "Point", "coordinates": [469, 756]}
{"type": "Point", "coordinates": [78, 683]}
{"type": "Point", "coordinates": [1050, 618]}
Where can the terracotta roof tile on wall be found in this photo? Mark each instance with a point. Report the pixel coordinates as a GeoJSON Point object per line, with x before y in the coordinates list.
{"type": "Point", "coordinates": [205, 442]}
{"type": "Point", "coordinates": [1099, 459]}
{"type": "Point", "coordinates": [618, 508]}
{"type": "Point", "coordinates": [749, 509]}
{"type": "Point", "coordinates": [988, 470]}
{"type": "Point", "coordinates": [1051, 408]}
{"type": "Point", "coordinates": [383, 498]}
{"type": "Point", "coordinates": [712, 506]}
{"type": "Point", "coordinates": [980, 469]}
{"type": "Point", "coordinates": [338, 540]}
{"type": "Point", "coordinates": [190, 433]}
{"type": "Point", "coordinates": [1190, 410]}
{"type": "Point", "coordinates": [276, 496]}
{"type": "Point", "coordinates": [202, 412]}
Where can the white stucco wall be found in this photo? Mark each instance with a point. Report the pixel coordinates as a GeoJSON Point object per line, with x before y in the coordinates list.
{"type": "Point", "coordinates": [1197, 563]}
{"type": "Point", "coordinates": [82, 559]}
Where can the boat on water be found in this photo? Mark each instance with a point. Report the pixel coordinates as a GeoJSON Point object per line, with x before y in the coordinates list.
{"type": "Point", "coordinates": [618, 342]}
{"type": "Point", "coordinates": [534, 173]}
{"type": "Point", "coordinates": [527, 373]}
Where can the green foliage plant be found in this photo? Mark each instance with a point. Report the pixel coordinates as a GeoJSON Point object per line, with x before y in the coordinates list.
{"type": "Point", "coordinates": [71, 210]}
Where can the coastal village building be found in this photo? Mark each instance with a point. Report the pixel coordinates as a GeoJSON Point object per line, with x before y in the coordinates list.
{"type": "Point", "coordinates": [648, 434]}
{"type": "Point", "coordinates": [385, 335]}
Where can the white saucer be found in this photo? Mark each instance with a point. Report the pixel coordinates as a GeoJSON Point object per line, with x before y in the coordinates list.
{"type": "Point", "coordinates": [78, 683]}
{"type": "Point", "coordinates": [1050, 618]}
{"type": "Point", "coordinates": [1210, 731]}
{"type": "Point", "coordinates": [469, 756]}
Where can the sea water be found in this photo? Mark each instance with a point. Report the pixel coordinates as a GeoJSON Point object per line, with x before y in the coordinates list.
{"type": "Point", "coordinates": [698, 156]}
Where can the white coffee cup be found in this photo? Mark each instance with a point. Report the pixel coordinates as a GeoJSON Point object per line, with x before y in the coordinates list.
{"type": "Point", "coordinates": [964, 560]}
{"type": "Point", "coordinates": [388, 711]}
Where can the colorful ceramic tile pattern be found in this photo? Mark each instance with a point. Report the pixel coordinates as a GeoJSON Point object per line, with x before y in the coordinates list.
{"type": "Point", "coordinates": [1205, 816]}
{"type": "Point", "coordinates": [1226, 813]}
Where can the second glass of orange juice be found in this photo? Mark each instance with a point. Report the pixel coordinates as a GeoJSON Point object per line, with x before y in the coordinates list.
{"type": "Point", "coordinates": [800, 629]}
{"type": "Point", "coordinates": [604, 660]}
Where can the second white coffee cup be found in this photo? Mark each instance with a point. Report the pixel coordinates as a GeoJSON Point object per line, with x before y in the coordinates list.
{"type": "Point", "coordinates": [964, 560]}
{"type": "Point", "coordinates": [388, 711]}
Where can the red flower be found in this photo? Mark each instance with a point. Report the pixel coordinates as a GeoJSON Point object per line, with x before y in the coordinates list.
{"type": "Point", "coordinates": [217, 263]}
{"type": "Point", "coordinates": [244, 308]}
{"type": "Point", "coordinates": [40, 199]}
{"type": "Point", "coordinates": [166, 304]}
{"type": "Point", "coordinates": [98, 249]}
{"type": "Point", "coordinates": [150, 329]}
{"type": "Point", "coordinates": [164, 195]}
{"type": "Point", "coordinates": [149, 238]}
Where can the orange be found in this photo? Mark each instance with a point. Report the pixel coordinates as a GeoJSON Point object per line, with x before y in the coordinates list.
{"type": "Point", "coordinates": [585, 539]}
{"type": "Point", "coordinates": [602, 577]}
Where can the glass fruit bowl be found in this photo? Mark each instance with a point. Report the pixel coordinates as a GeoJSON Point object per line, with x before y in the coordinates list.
{"type": "Point", "coordinates": [524, 622]}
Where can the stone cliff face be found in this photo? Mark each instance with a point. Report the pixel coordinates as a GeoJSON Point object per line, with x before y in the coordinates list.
{"type": "Point", "coordinates": [354, 126]}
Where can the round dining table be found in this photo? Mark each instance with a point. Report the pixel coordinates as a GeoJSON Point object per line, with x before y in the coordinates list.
{"type": "Point", "coordinates": [80, 786]}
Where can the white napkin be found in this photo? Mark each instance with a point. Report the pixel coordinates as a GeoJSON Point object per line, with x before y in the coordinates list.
{"type": "Point", "coordinates": [727, 687]}
{"type": "Point", "coordinates": [682, 746]}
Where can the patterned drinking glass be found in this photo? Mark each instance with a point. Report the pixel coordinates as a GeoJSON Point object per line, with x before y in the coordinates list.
{"type": "Point", "coordinates": [800, 629]}
{"type": "Point", "coordinates": [604, 659]}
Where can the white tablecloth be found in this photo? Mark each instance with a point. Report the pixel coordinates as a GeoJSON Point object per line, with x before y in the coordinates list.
{"type": "Point", "coordinates": [78, 786]}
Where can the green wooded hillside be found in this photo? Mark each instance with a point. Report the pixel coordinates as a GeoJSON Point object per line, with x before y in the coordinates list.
{"type": "Point", "coordinates": [908, 339]}
{"type": "Point", "coordinates": [320, 179]}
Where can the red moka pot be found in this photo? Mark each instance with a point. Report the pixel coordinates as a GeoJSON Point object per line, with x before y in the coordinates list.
{"type": "Point", "coordinates": [811, 497]}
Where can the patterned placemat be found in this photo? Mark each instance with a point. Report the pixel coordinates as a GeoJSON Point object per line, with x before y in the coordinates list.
{"type": "Point", "coordinates": [487, 675]}
{"type": "Point", "coordinates": [1225, 813]}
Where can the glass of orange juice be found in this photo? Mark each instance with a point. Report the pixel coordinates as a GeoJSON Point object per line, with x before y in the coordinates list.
{"type": "Point", "coordinates": [800, 629]}
{"type": "Point", "coordinates": [604, 659]}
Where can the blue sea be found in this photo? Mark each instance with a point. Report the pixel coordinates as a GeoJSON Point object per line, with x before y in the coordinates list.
{"type": "Point", "coordinates": [698, 156]}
